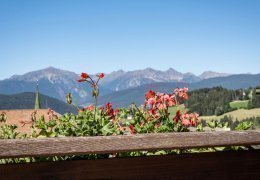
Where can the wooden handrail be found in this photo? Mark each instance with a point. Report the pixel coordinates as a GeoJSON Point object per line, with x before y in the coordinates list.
{"type": "Point", "coordinates": [43, 147]}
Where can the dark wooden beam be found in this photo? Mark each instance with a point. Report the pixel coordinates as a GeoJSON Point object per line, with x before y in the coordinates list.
{"type": "Point", "coordinates": [42, 147]}
{"type": "Point", "coordinates": [219, 165]}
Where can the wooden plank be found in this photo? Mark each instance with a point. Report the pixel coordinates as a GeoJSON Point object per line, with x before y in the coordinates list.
{"type": "Point", "coordinates": [221, 165]}
{"type": "Point", "coordinates": [40, 147]}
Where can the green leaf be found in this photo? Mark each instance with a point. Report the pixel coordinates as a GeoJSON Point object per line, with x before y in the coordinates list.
{"type": "Point", "coordinates": [107, 129]}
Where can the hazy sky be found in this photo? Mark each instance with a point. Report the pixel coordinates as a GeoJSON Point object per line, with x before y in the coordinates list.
{"type": "Point", "coordinates": [95, 36]}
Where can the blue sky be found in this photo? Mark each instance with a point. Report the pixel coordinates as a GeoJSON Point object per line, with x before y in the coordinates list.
{"type": "Point", "coordinates": [94, 36]}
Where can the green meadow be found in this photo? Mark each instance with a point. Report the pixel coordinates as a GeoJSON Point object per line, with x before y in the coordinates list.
{"type": "Point", "coordinates": [239, 104]}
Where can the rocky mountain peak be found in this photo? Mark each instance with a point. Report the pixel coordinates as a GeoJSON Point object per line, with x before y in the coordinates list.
{"type": "Point", "coordinates": [173, 72]}
{"type": "Point", "coordinates": [49, 73]}
{"type": "Point", "coordinates": [212, 74]}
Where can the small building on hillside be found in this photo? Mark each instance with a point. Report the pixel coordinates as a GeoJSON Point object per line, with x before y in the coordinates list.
{"type": "Point", "coordinates": [24, 118]}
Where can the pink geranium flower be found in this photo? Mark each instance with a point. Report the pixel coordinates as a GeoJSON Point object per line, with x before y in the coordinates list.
{"type": "Point", "coordinates": [101, 75]}
{"type": "Point", "coordinates": [185, 122]}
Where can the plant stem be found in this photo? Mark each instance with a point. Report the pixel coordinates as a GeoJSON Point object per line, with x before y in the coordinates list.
{"type": "Point", "coordinates": [95, 108]}
{"type": "Point", "coordinates": [139, 112]}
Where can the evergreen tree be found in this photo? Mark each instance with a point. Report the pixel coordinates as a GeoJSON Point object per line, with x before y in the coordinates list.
{"type": "Point", "coordinates": [256, 98]}
{"type": "Point", "coordinates": [37, 98]}
{"type": "Point", "coordinates": [210, 101]}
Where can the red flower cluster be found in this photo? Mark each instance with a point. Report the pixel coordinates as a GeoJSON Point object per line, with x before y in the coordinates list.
{"type": "Point", "coordinates": [101, 75]}
{"type": "Point", "coordinates": [94, 84]}
{"type": "Point", "coordinates": [186, 119]}
{"type": "Point", "coordinates": [181, 93]}
{"type": "Point", "coordinates": [90, 108]}
{"type": "Point", "coordinates": [132, 129]}
{"type": "Point", "coordinates": [161, 101]}
{"type": "Point", "coordinates": [85, 77]}
{"type": "Point", "coordinates": [110, 111]}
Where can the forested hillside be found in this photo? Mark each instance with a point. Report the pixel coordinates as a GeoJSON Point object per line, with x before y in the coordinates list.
{"type": "Point", "coordinates": [210, 101]}
{"type": "Point", "coordinates": [27, 100]}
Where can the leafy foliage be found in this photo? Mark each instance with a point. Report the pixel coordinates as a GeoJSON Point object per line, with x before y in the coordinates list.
{"type": "Point", "coordinates": [228, 122]}
{"type": "Point", "coordinates": [8, 132]}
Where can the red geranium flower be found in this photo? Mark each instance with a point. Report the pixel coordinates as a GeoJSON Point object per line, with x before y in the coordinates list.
{"type": "Point", "coordinates": [185, 96]}
{"type": "Point", "coordinates": [132, 129]}
{"type": "Point", "coordinates": [84, 75]}
{"type": "Point", "coordinates": [101, 75]}
{"type": "Point", "coordinates": [182, 93]}
{"type": "Point", "coordinates": [150, 94]}
{"type": "Point", "coordinates": [177, 116]}
{"type": "Point", "coordinates": [116, 111]}
{"type": "Point", "coordinates": [90, 108]}
{"type": "Point", "coordinates": [185, 122]}
{"type": "Point", "coordinates": [156, 125]}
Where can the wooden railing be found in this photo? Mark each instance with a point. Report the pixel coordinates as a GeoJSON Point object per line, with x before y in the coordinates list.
{"type": "Point", "coordinates": [220, 165]}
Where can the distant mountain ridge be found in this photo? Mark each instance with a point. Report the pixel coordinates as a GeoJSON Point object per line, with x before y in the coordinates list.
{"type": "Point", "coordinates": [54, 75]}
{"type": "Point", "coordinates": [57, 83]}
{"type": "Point", "coordinates": [120, 80]}
{"type": "Point", "coordinates": [212, 74]}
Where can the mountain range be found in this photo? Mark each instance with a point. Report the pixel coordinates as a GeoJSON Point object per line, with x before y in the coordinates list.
{"type": "Point", "coordinates": [121, 80]}
{"type": "Point", "coordinates": [57, 83]}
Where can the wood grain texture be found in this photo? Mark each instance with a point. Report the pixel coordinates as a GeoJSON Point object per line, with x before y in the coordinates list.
{"type": "Point", "coordinates": [42, 147]}
{"type": "Point", "coordinates": [220, 165]}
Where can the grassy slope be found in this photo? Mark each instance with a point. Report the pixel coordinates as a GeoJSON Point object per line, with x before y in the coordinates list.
{"type": "Point", "coordinates": [239, 114]}
{"type": "Point", "coordinates": [239, 104]}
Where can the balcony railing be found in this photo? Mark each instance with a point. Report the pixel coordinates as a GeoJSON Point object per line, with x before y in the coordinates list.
{"type": "Point", "coordinates": [216, 165]}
